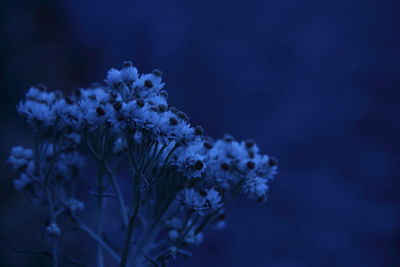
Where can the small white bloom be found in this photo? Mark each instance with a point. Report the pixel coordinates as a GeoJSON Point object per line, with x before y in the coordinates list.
{"type": "Point", "coordinates": [214, 199]}
{"type": "Point", "coordinates": [53, 230]}
{"type": "Point", "coordinates": [148, 85]}
{"type": "Point", "coordinates": [114, 78]}
{"type": "Point", "coordinates": [37, 114]}
{"type": "Point", "coordinates": [40, 96]}
{"type": "Point", "coordinates": [20, 157]}
{"type": "Point", "coordinates": [22, 182]}
{"type": "Point", "coordinates": [129, 74]}
{"type": "Point", "coordinates": [189, 162]}
{"type": "Point", "coordinates": [74, 205]}
{"type": "Point", "coordinates": [220, 224]}
{"type": "Point", "coordinates": [173, 235]}
{"type": "Point", "coordinates": [69, 114]}
{"type": "Point", "coordinates": [192, 200]}
{"type": "Point", "coordinates": [255, 188]}
{"type": "Point", "coordinates": [194, 239]}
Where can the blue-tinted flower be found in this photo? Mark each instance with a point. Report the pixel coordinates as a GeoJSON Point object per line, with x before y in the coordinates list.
{"type": "Point", "coordinates": [256, 188]}
{"type": "Point", "coordinates": [20, 157]}
{"type": "Point", "coordinates": [74, 205]}
{"type": "Point", "coordinates": [37, 114]}
{"type": "Point", "coordinates": [192, 200]}
{"type": "Point", "coordinates": [173, 235]}
{"type": "Point", "coordinates": [193, 239]}
{"type": "Point", "coordinates": [214, 199]}
{"type": "Point", "coordinates": [23, 181]}
{"type": "Point", "coordinates": [52, 230]}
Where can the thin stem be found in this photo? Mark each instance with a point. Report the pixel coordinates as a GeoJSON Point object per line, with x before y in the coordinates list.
{"type": "Point", "coordinates": [99, 230]}
{"type": "Point", "coordinates": [122, 206]}
{"type": "Point", "coordinates": [190, 227]}
{"type": "Point", "coordinates": [147, 257]}
{"type": "Point", "coordinates": [101, 195]}
{"type": "Point", "coordinates": [137, 194]}
{"type": "Point", "coordinates": [96, 238]}
{"type": "Point", "coordinates": [132, 220]}
{"type": "Point", "coordinates": [54, 246]}
{"type": "Point", "coordinates": [165, 164]}
{"type": "Point", "coordinates": [43, 253]}
{"type": "Point", "coordinates": [211, 216]}
{"type": "Point", "coordinates": [113, 181]}
{"type": "Point", "coordinates": [54, 251]}
{"type": "Point", "coordinates": [46, 180]}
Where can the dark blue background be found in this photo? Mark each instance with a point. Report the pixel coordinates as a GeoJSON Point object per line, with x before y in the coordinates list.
{"type": "Point", "coordinates": [315, 83]}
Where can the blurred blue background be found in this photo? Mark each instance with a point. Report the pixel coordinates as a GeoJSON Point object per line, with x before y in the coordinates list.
{"type": "Point", "coordinates": [315, 83]}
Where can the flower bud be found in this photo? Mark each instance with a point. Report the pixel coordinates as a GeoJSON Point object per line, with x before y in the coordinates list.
{"type": "Point", "coordinates": [198, 130]}
{"type": "Point", "coordinates": [148, 84]}
{"type": "Point", "coordinates": [100, 111]}
{"type": "Point", "coordinates": [140, 103]}
{"type": "Point", "coordinates": [251, 165]}
{"type": "Point", "coordinates": [117, 106]}
{"type": "Point", "coordinates": [225, 166]}
{"type": "Point", "coordinates": [273, 161]}
{"type": "Point", "coordinates": [127, 64]}
{"type": "Point", "coordinates": [158, 73]}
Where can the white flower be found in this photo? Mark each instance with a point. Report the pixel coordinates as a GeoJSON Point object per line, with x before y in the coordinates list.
{"type": "Point", "coordinates": [230, 150]}
{"type": "Point", "coordinates": [70, 114]}
{"type": "Point", "coordinates": [214, 199]}
{"type": "Point", "coordinates": [129, 74]}
{"type": "Point", "coordinates": [148, 85]}
{"type": "Point", "coordinates": [40, 96]}
{"type": "Point", "coordinates": [37, 114]}
{"type": "Point", "coordinates": [255, 188]}
{"type": "Point", "coordinates": [131, 110]}
{"type": "Point", "coordinates": [157, 100]}
{"type": "Point", "coordinates": [93, 113]}
{"type": "Point", "coordinates": [74, 205]}
{"type": "Point", "coordinates": [114, 78]}
{"type": "Point", "coordinates": [22, 182]}
{"type": "Point", "coordinates": [68, 164]}
{"type": "Point", "coordinates": [192, 200]}
{"type": "Point", "coordinates": [193, 238]}
{"type": "Point", "coordinates": [220, 224]}
{"type": "Point", "coordinates": [20, 157]}
{"type": "Point", "coordinates": [173, 235]}
{"type": "Point", "coordinates": [247, 165]}
{"type": "Point", "coordinates": [189, 163]}
{"type": "Point", "coordinates": [53, 230]}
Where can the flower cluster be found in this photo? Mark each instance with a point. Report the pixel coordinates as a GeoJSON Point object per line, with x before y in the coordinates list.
{"type": "Point", "coordinates": [182, 179]}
